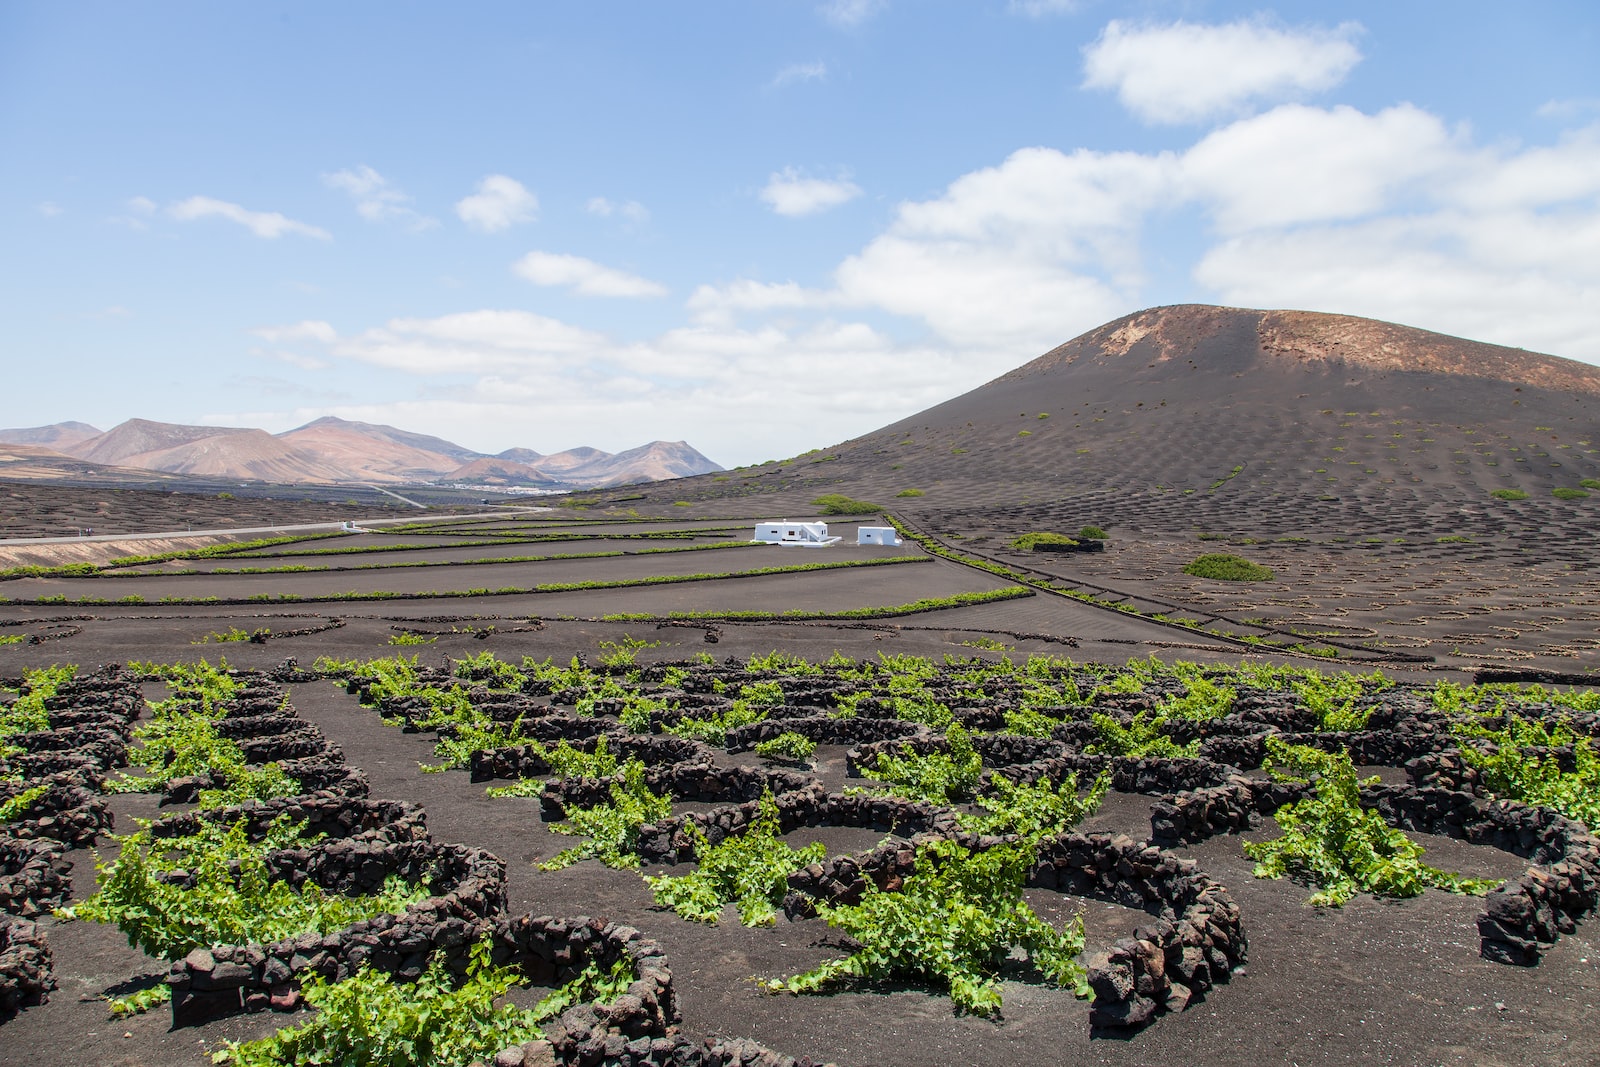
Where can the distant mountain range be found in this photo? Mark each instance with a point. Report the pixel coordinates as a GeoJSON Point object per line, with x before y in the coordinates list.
{"type": "Point", "coordinates": [333, 450]}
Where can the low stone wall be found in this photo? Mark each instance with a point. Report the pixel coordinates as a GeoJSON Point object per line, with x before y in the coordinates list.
{"type": "Point", "coordinates": [237, 727]}
{"type": "Point", "coordinates": [694, 782]}
{"type": "Point", "coordinates": [106, 748]}
{"type": "Point", "coordinates": [303, 742]}
{"type": "Point", "coordinates": [338, 816]}
{"type": "Point", "coordinates": [525, 761]}
{"type": "Point", "coordinates": [34, 876]}
{"type": "Point", "coordinates": [66, 812]}
{"type": "Point", "coordinates": [26, 978]}
{"type": "Point", "coordinates": [638, 1028]}
{"type": "Point", "coordinates": [84, 768]}
{"type": "Point", "coordinates": [1232, 807]}
{"type": "Point", "coordinates": [825, 730]}
{"type": "Point", "coordinates": [470, 887]}
{"type": "Point", "coordinates": [552, 951]}
{"type": "Point", "coordinates": [669, 840]}
{"type": "Point", "coordinates": [1194, 941]}
{"type": "Point", "coordinates": [1519, 919]}
{"type": "Point", "coordinates": [844, 879]}
{"type": "Point", "coordinates": [318, 775]}
{"type": "Point", "coordinates": [1152, 777]}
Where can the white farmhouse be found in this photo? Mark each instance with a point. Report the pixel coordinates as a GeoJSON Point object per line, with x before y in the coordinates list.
{"type": "Point", "coordinates": [792, 534]}
{"type": "Point", "coordinates": [876, 535]}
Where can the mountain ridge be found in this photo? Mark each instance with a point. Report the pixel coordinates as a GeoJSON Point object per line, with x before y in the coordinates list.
{"type": "Point", "coordinates": [331, 450]}
{"type": "Point", "coordinates": [1191, 406]}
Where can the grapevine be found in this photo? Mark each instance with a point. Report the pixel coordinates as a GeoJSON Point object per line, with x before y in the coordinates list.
{"type": "Point", "coordinates": [1331, 842]}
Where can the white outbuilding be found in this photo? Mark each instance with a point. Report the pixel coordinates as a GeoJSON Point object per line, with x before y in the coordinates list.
{"type": "Point", "coordinates": [876, 535]}
{"type": "Point", "coordinates": [794, 534]}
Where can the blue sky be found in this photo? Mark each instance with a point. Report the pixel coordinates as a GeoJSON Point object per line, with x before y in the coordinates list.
{"type": "Point", "coordinates": [761, 227]}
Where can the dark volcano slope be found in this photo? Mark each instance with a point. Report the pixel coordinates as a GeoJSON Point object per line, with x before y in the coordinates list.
{"type": "Point", "coordinates": [1188, 416]}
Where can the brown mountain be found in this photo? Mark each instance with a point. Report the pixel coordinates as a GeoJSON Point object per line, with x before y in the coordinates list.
{"type": "Point", "coordinates": [491, 470]}
{"type": "Point", "coordinates": [56, 436]}
{"type": "Point", "coordinates": [1207, 407]}
{"type": "Point", "coordinates": [656, 461]}
{"type": "Point", "coordinates": [138, 437]}
{"type": "Point", "coordinates": [248, 454]}
{"type": "Point", "coordinates": [375, 453]}
{"type": "Point", "coordinates": [1179, 397]}
{"type": "Point", "coordinates": [333, 450]}
{"type": "Point", "coordinates": [587, 467]}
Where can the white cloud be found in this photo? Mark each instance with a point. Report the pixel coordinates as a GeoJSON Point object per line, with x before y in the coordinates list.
{"type": "Point", "coordinates": [1534, 178]}
{"type": "Point", "coordinates": [140, 209]}
{"type": "Point", "coordinates": [1571, 108]}
{"type": "Point", "coordinates": [294, 359]}
{"type": "Point", "coordinates": [1184, 72]}
{"type": "Point", "coordinates": [1498, 244]}
{"type": "Point", "coordinates": [583, 276]}
{"type": "Point", "coordinates": [307, 330]}
{"type": "Point", "coordinates": [472, 342]}
{"type": "Point", "coordinates": [1019, 256]}
{"type": "Point", "coordinates": [1514, 281]}
{"type": "Point", "coordinates": [789, 193]}
{"type": "Point", "coordinates": [376, 199]}
{"type": "Point", "coordinates": [847, 13]}
{"type": "Point", "coordinates": [268, 224]}
{"type": "Point", "coordinates": [800, 72]}
{"type": "Point", "coordinates": [1041, 8]}
{"type": "Point", "coordinates": [542, 383]}
{"type": "Point", "coordinates": [631, 210]}
{"type": "Point", "coordinates": [50, 209]}
{"type": "Point", "coordinates": [1391, 214]}
{"type": "Point", "coordinates": [719, 303]}
{"type": "Point", "coordinates": [1303, 164]}
{"type": "Point", "coordinates": [499, 204]}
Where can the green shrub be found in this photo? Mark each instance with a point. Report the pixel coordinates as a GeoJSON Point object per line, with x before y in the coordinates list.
{"type": "Point", "coordinates": [1092, 533]}
{"type": "Point", "coordinates": [1564, 493]}
{"type": "Point", "coordinates": [232, 899]}
{"type": "Point", "coordinates": [1522, 764]}
{"type": "Point", "coordinates": [937, 778]}
{"type": "Point", "coordinates": [839, 504]}
{"type": "Point", "coordinates": [1227, 568]}
{"type": "Point", "coordinates": [750, 870]}
{"type": "Point", "coordinates": [1026, 542]}
{"type": "Point", "coordinates": [612, 828]}
{"type": "Point", "coordinates": [1590, 483]}
{"type": "Point", "coordinates": [375, 1019]}
{"type": "Point", "coordinates": [1036, 811]}
{"type": "Point", "coordinates": [1509, 494]}
{"type": "Point", "coordinates": [1140, 739]}
{"type": "Point", "coordinates": [1330, 841]}
{"type": "Point", "coordinates": [909, 492]}
{"type": "Point", "coordinates": [953, 924]}
{"type": "Point", "coordinates": [787, 746]}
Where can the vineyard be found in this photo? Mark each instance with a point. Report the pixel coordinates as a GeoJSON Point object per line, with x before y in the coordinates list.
{"type": "Point", "coordinates": [267, 885]}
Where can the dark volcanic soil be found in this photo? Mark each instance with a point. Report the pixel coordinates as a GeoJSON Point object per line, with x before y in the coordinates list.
{"type": "Point", "coordinates": [1393, 983]}
{"type": "Point", "coordinates": [1357, 460]}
